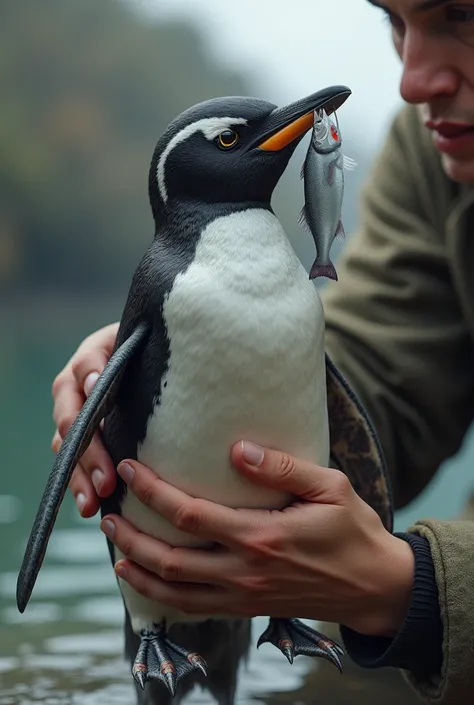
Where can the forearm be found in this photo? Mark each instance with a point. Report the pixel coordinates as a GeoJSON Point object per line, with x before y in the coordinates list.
{"type": "Point", "coordinates": [441, 671]}
{"type": "Point", "coordinates": [417, 644]}
{"type": "Point", "coordinates": [451, 545]}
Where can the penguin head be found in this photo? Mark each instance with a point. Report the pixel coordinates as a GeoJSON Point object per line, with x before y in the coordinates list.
{"type": "Point", "coordinates": [231, 150]}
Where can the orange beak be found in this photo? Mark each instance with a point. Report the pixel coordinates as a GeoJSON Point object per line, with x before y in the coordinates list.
{"type": "Point", "coordinates": [285, 126]}
{"type": "Point", "coordinates": [288, 134]}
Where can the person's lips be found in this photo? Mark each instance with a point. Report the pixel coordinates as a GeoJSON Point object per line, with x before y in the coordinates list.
{"type": "Point", "coordinates": [452, 137]}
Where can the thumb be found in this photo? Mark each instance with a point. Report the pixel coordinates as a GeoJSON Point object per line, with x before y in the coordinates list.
{"type": "Point", "coordinates": [279, 470]}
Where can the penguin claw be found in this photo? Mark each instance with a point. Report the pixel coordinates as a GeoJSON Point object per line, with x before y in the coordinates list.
{"type": "Point", "coordinates": [139, 674]}
{"type": "Point", "coordinates": [159, 658]}
{"type": "Point", "coordinates": [293, 637]}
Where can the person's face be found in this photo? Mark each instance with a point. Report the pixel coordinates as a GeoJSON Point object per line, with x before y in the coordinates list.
{"type": "Point", "coordinates": [435, 41]}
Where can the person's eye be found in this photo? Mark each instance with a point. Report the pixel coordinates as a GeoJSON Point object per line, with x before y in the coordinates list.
{"type": "Point", "coordinates": [460, 21]}
{"type": "Point", "coordinates": [397, 24]}
{"type": "Point", "coordinates": [460, 13]}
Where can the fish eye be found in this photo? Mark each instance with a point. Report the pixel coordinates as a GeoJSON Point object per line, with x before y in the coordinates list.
{"type": "Point", "coordinates": [334, 133]}
{"type": "Point", "coordinates": [227, 139]}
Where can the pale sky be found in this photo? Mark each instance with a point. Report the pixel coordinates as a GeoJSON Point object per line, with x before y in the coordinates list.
{"type": "Point", "coordinates": [296, 47]}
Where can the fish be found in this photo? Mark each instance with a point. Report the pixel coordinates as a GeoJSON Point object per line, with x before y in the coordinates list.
{"type": "Point", "coordinates": [323, 174]}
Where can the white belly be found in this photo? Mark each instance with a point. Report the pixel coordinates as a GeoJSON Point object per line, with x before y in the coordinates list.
{"type": "Point", "coordinates": [246, 331]}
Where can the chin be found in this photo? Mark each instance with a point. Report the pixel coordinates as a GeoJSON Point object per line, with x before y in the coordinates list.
{"type": "Point", "coordinates": [457, 170]}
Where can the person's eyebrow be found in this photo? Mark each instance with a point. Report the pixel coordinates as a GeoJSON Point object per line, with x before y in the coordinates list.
{"type": "Point", "coordinates": [420, 7]}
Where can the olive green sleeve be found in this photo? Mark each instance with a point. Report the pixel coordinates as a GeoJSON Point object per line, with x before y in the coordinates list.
{"type": "Point", "coordinates": [451, 546]}
{"type": "Point", "coordinates": [394, 324]}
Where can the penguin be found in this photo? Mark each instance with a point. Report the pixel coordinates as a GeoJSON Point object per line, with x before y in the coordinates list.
{"type": "Point", "coordinates": [221, 338]}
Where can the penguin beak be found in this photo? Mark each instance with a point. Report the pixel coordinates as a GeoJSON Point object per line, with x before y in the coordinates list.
{"type": "Point", "coordinates": [287, 125]}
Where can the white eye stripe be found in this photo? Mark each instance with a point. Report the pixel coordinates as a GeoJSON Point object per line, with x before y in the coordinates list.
{"type": "Point", "coordinates": [210, 127]}
{"type": "Point", "coordinates": [213, 131]}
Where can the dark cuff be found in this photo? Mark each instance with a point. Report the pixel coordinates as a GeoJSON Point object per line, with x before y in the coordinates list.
{"type": "Point", "coordinates": [418, 645]}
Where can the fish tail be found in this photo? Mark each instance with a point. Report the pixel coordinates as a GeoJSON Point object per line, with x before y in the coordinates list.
{"type": "Point", "coordinates": [320, 269]}
{"type": "Point", "coordinates": [340, 232]}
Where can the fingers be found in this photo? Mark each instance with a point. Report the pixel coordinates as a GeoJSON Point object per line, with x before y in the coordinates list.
{"type": "Point", "coordinates": [280, 470]}
{"type": "Point", "coordinates": [84, 493]}
{"type": "Point", "coordinates": [99, 467]}
{"type": "Point", "coordinates": [92, 356]}
{"type": "Point", "coordinates": [169, 563]}
{"type": "Point", "coordinates": [68, 401]}
{"type": "Point", "coordinates": [202, 518]}
{"type": "Point", "coordinates": [96, 474]}
{"type": "Point", "coordinates": [95, 460]}
{"type": "Point", "coordinates": [96, 464]}
{"type": "Point", "coordinates": [80, 485]}
{"type": "Point", "coordinates": [190, 598]}
{"type": "Point", "coordinates": [78, 377]}
{"type": "Point", "coordinates": [94, 477]}
{"type": "Point", "coordinates": [56, 442]}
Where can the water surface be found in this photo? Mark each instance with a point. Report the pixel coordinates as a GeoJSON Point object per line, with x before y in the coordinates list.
{"type": "Point", "coordinates": [67, 648]}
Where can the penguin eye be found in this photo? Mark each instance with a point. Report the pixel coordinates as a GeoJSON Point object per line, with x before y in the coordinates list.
{"type": "Point", "coordinates": [227, 139]}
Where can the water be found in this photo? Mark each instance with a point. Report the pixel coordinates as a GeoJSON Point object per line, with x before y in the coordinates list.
{"type": "Point", "coordinates": [67, 648]}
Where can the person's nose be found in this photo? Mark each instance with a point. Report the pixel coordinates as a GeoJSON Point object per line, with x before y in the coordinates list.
{"type": "Point", "coordinates": [428, 72]}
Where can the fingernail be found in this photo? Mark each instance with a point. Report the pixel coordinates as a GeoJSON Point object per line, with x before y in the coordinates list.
{"type": "Point", "coordinates": [108, 527]}
{"type": "Point", "coordinates": [252, 453]}
{"type": "Point", "coordinates": [89, 382]}
{"type": "Point", "coordinates": [81, 500]}
{"type": "Point", "coordinates": [120, 571]}
{"type": "Point", "coordinates": [126, 472]}
{"type": "Point", "coordinates": [56, 443]}
{"type": "Point", "coordinates": [97, 478]}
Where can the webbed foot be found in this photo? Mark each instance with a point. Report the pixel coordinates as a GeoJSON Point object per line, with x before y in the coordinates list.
{"type": "Point", "coordinates": [159, 658]}
{"type": "Point", "coordinates": [293, 637]}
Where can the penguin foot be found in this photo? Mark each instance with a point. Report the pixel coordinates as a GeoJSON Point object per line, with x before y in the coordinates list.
{"type": "Point", "coordinates": [159, 658]}
{"type": "Point", "coordinates": [293, 637]}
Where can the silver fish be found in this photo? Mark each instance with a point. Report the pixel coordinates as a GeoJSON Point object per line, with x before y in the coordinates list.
{"type": "Point", "coordinates": [324, 189]}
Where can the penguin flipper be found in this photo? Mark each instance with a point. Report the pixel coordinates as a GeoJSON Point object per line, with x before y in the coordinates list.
{"type": "Point", "coordinates": [75, 443]}
{"type": "Point", "coordinates": [293, 637]}
{"type": "Point", "coordinates": [354, 446]}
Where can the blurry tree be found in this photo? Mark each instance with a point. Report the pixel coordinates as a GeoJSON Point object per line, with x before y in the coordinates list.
{"type": "Point", "coordinates": [86, 88]}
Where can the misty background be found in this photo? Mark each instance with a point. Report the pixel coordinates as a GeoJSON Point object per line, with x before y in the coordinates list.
{"type": "Point", "coordinates": [86, 89]}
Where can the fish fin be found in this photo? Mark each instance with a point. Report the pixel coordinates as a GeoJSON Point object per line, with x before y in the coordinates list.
{"type": "Point", "coordinates": [76, 441]}
{"type": "Point", "coordinates": [303, 219]}
{"type": "Point", "coordinates": [331, 169]}
{"type": "Point", "coordinates": [323, 270]}
{"type": "Point", "coordinates": [340, 232]}
{"type": "Point", "coordinates": [348, 163]}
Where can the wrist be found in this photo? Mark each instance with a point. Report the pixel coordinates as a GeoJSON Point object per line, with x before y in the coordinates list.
{"type": "Point", "coordinates": [392, 586]}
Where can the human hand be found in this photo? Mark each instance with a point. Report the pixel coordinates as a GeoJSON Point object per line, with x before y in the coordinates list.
{"type": "Point", "coordinates": [326, 557]}
{"type": "Point", "coordinates": [95, 476]}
